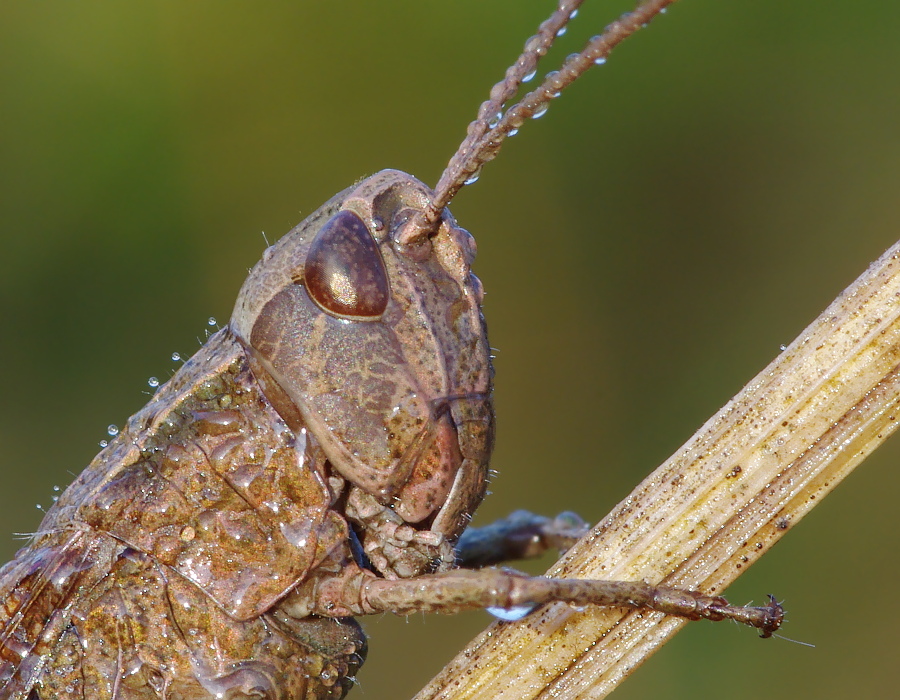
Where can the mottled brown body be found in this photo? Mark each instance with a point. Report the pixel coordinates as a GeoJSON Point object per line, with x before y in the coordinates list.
{"type": "Point", "coordinates": [157, 571]}
{"type": "Point", "coordinates": [185, 560]}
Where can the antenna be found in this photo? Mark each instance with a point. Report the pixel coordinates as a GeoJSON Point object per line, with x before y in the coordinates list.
{"type": "Point", "coordinates": [493, 125]}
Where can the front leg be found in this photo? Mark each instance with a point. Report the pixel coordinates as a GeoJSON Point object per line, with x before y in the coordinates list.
{"type": "Point", "coordinates": [356, 591]}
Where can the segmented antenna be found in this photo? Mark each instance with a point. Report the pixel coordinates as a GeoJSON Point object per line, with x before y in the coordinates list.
{"type": "Point", "coordinates": [486, 134]}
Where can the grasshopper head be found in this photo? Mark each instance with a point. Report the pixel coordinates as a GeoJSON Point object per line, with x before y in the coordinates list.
{"type": "Point", "coordinates": [376, 338]}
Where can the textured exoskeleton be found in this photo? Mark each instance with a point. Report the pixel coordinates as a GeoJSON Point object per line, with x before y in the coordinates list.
{"type": "Point", "coordinates": [347, 402]}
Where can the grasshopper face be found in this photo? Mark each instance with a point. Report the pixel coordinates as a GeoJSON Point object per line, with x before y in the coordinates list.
{"type": "Point", "coordinates": [380, 346]}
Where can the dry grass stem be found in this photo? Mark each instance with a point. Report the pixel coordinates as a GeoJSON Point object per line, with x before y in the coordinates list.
{"type": "Point", "coordinates": [704, 516]}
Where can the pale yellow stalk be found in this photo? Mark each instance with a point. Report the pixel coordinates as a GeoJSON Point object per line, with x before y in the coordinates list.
{"type": "Point", "coordinates": [704, 516]}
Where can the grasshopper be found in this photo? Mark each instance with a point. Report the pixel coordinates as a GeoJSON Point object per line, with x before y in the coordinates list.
{"type": "Point", "coordinates": [317, 459]}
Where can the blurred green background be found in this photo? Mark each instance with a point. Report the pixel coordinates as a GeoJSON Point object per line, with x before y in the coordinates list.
{"type": "Point", "coordinates": [646, 248]}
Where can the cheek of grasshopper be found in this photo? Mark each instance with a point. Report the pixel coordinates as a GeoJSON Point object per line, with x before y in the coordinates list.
{"type": "Point", "coordinates": [317, 459]}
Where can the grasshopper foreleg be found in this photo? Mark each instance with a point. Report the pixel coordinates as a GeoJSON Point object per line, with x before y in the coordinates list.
{"type": "Point", "coordinates": [360, 592]}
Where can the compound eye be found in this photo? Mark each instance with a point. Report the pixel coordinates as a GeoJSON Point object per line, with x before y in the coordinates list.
{"type": "Point", "coordinates": [344, 272]}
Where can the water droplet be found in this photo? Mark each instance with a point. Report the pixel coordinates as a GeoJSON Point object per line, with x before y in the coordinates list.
{"type": "Point", "coordinates": [211, 321]}
{"type": "Point", "coordinates": [56, 488]}
{"type": "Point", "coordinates": [575, 13]}
{"type": "Point", "coordinates": [513, 132]}
{"type": "Point", "coordinates": [103, 443]}
{"type": "Point", "coordinates": [528, 77]}
{"type": "Point", "coordinates": [552, 76]}
{"type": "Point", "coordinates": [512, 614]}
{"type": "Point", "coordinates": [176, 357]}
{"type": "Point", "coordinates": [600, 61]}
{"type": "Point", "coordinates": [153, 382]}
{"type": "Point", "coordinates": [783, 347]}
{"type": "Point", "coordinates": [495, 120]}
{"type": "Point", "coordinates": [540, 113]}
{"type": "Point", "coordinates": [473, 178]}
{"type": "Point", "coordinates": [112, 429]}
{"type": "Point", "coordinates": [561, 31]}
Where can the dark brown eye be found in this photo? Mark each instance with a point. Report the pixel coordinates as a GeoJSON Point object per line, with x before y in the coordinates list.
{"type": "Point", "coordinates": [344, 272]}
